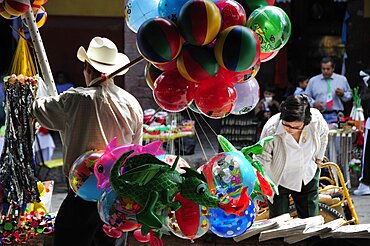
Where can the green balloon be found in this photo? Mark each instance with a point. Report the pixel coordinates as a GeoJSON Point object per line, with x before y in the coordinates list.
{"type": "Point", "coordinates": [272, 26]}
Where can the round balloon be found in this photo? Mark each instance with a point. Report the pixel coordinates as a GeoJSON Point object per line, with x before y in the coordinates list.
{"type": "Point", "coordinates": [40, 16]}
{"type": "Point", "coordinates": [197, 63]}
{"type": "Point", "coordinates": [227, 173]}
{"type": "Point", "coordinates": [264, 57]}
{"type": "Point", "coordinates": [272, 26]}
{"type": "Point", "coordinates": [151, 73]}
{"type": "Point", "coordinates": [5, 14]}
{"type": "Point", "coordinates": [231, 225]}
{"type": "Point", "coordinates": [16, 7]}
{"type": "Point", "coordinates": [166, 65]}
{"type": "Point", "coordinates": [172, 92]}
{"type": "Point", "coordinates": [138, 11]}
{"type": "Point", "coordinates": [170, 9]}
{"type": "Point", "coordinates": [232, 13]}
{"type": "Point", "coordinates": [248, 96]}
{"type": "Point", "coordinates": [39, 2]}
{"type": "Point", "coordinates": [251, 73]}
{"type": "Point", "coordinates": [215, 99]}
{"type": "Point", "coordinates": [118, 212]}
{"type": "Point", "coordinates": [237, 48]}
{"type": "Point", "coordinates": [190, 221]}
{"type": "Point", "coordinates": [82, 179]}
{"type": "Point", "coordinates": [158, 40]}
{"type": "Point", "coordinates": [199, 21]}
{"type": "Point", "coordinates": [229, 76]}
{"type": "Point", "coordinates": [255, 4]}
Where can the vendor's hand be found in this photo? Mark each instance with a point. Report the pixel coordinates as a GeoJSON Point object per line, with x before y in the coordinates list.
{"type": "Point", "coordinates": [339, 92]}
{"type": "Point", "coordinates": [318, 105]}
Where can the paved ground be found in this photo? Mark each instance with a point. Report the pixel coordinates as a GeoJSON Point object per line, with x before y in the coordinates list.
{"type": "Point", "coordinates": [202, 153]}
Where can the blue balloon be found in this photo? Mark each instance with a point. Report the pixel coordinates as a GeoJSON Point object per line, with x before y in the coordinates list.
{"type": "Point", "coordinates": [138, 11]}
{"type": "Point", "coordinates": [170, 9]}
{"type": "Point", "coordinates": [231, 225]}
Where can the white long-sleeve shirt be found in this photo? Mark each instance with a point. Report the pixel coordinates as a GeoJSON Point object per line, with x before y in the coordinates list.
{"type": "Point", "coordinates": [88, 118]}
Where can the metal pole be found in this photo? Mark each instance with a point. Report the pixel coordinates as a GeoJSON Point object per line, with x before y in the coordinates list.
{"type": "Point", "coordinates": [40, 53]}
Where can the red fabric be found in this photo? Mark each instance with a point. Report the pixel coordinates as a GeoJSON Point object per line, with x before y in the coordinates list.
{"type": "Point", "coordinates": [43, 131]}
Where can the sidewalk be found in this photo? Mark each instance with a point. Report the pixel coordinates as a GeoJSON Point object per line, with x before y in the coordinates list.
{"type": "Point", "coordinates": [210, 146]}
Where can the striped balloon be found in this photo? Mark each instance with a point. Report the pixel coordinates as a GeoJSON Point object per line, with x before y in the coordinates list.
{"type": "Point", "coordinates": [237, 48]}
{"type": "Point", "coordinates": [151, 73]}
{"type": "Point", "coordinates": [40, 16]}
{"type": "Point", "coordinates": [158, 40]}
{"type": "Point", "coordinates": [16, 7]}
{"type": "Point", "coordinates": [5, 14]}
{"type": "Point", "coordinates": [39, 2]}
{"type": "Point", "coordinates": [197, 63]}
{"type": "Point", "coordinates": [199, 21]}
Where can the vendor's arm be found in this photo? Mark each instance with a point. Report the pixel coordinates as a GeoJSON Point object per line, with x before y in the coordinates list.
{"type": "Point", "coordinates": [266, 157]}
{"type": "Point", "coordinates": [347, 92]}
{"type": "Point", "coordinates": [324, 131]}
{"type": "Point", "coordinates": [49, 112]}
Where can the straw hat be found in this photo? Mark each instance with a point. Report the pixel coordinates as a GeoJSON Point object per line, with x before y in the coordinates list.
{"type": "Point", "coordinates": [103, 55]}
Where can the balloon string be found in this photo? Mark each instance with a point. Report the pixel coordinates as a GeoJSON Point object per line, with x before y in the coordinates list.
{"type": "Point", "coordinates": [197, 135]}
{"type": "Point", "coordinates": [205, 134]}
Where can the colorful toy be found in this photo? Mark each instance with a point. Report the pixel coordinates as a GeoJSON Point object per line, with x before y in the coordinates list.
{"type": "Point", "coordinates": [237, 48]}
{"type": "Point", "coordinates": [199, 21]}
{"type": "Point", "coordinates": [173, 92]}
{"type": "Point", "coordinates": [16, 7]}
{"type": "Point", "coordinates": [82, 179]}
{"type": "Point", "coordinates": [158, 40]}
{"type": "Point", "coordinates": [151, 73]}
{"type": "Point", "coordinates": [138, 11]}
{"type": "Point", "coordinates": [197, 63]}
{"type": "Point", "coordinates": [166, 65]}
{"type": "Point", "coordinates": [248, 95]}
{"type": "Point", "coordinates": [5, 14]}
{"type": "Point", "coordinates": [272, 26]}
{"type": "Point", "coordinates": [152, 184]}
{"type": "Point", "coordinates": [215, 98]}
{"type": "Point", "coordinates": [112, 152]}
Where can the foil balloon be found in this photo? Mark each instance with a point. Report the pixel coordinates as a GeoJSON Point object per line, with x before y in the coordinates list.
{"type": "Point", "coordinates": [215, 99]}
{"type": "Point", "coordinates": [190, 221]}
{"type": "Point", "coordinates": [113, 151]}
{"type": "Point", "coordinates": [138, 11]}
{"type": "Point", "coordinates": [199, 22]}
{"type": "Point", "coordinates": [173, 92]}
{"type": "Point", "coordinates": [151, 73]}
{"type": "Point", "coordinates": [248, 95]}
{"type": "Point", "coordinates": [272, 26]}
{"type": "Point", "coordinates": [82, 179]}
{"type": "Point", "coordinates": [231, 225]}
{"type": "Point", "coordinates": [232, 13]}
{"type": "Point", "coordinates": [197, 63]}
{"type": "Point", "coordinates": [170, 9]}
{"type": "Point", "coordinates": [158, 40]}
{"type": "Point", "coordinates": [237, 48]}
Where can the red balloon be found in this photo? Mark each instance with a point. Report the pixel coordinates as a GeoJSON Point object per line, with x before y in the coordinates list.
{"type": "Point", "coordinates": [230, 76]}
{"type": "Point", "coordinates": [128, 226]}
{"type": "Point", "coordinates": [166, 66]}
{"type": "Point", "coordinates": [215, 99]}
{"type": "Point", "coordinates": [264, 57]}
{"type": "Point", "coordinates": [232, 13]}
{"type": "Point", "coordinates": [112, 231]}
{"type": "Point", "coordinates": [187, 216]}
{"type": "Point", "coordinates": [173, 92]}
{"type": "Point", "coordinates": [140, 238]}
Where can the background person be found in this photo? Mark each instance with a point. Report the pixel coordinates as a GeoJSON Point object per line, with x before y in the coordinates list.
{"type": "Point", "coordinates": [328, 90]}
{"type": "Point", "coordinates": [291, 159]}
{"type": "Point", "coordinates": [88, 118]}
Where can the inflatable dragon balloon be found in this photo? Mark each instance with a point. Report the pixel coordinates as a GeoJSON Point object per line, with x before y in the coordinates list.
{"type": "Point", "coordinates": [152, 184]}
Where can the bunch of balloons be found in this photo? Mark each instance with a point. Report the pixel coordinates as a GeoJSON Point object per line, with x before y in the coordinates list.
{"type": "Point", "coordinates": [142, 189]}
{"type": "Point", "coordinates": [200, 52]}
{"type": "Point", "coordinates": [12, 9]}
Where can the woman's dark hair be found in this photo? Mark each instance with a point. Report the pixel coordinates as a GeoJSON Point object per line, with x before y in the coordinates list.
{"type": "Point", "coordinates": [296, 108]}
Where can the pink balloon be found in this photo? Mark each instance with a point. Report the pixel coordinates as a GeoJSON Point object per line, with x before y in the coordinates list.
{"type": "Point", "coordinates": [140, 238]}
{"type": "Point", "coordinates": [111, 154]}
{"type": "Point", "coordinates": [111, 231]}
{"type": "Point", "coordinates": [173, 92]}
{"type": "Point", "coordinates": [232, 13]}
